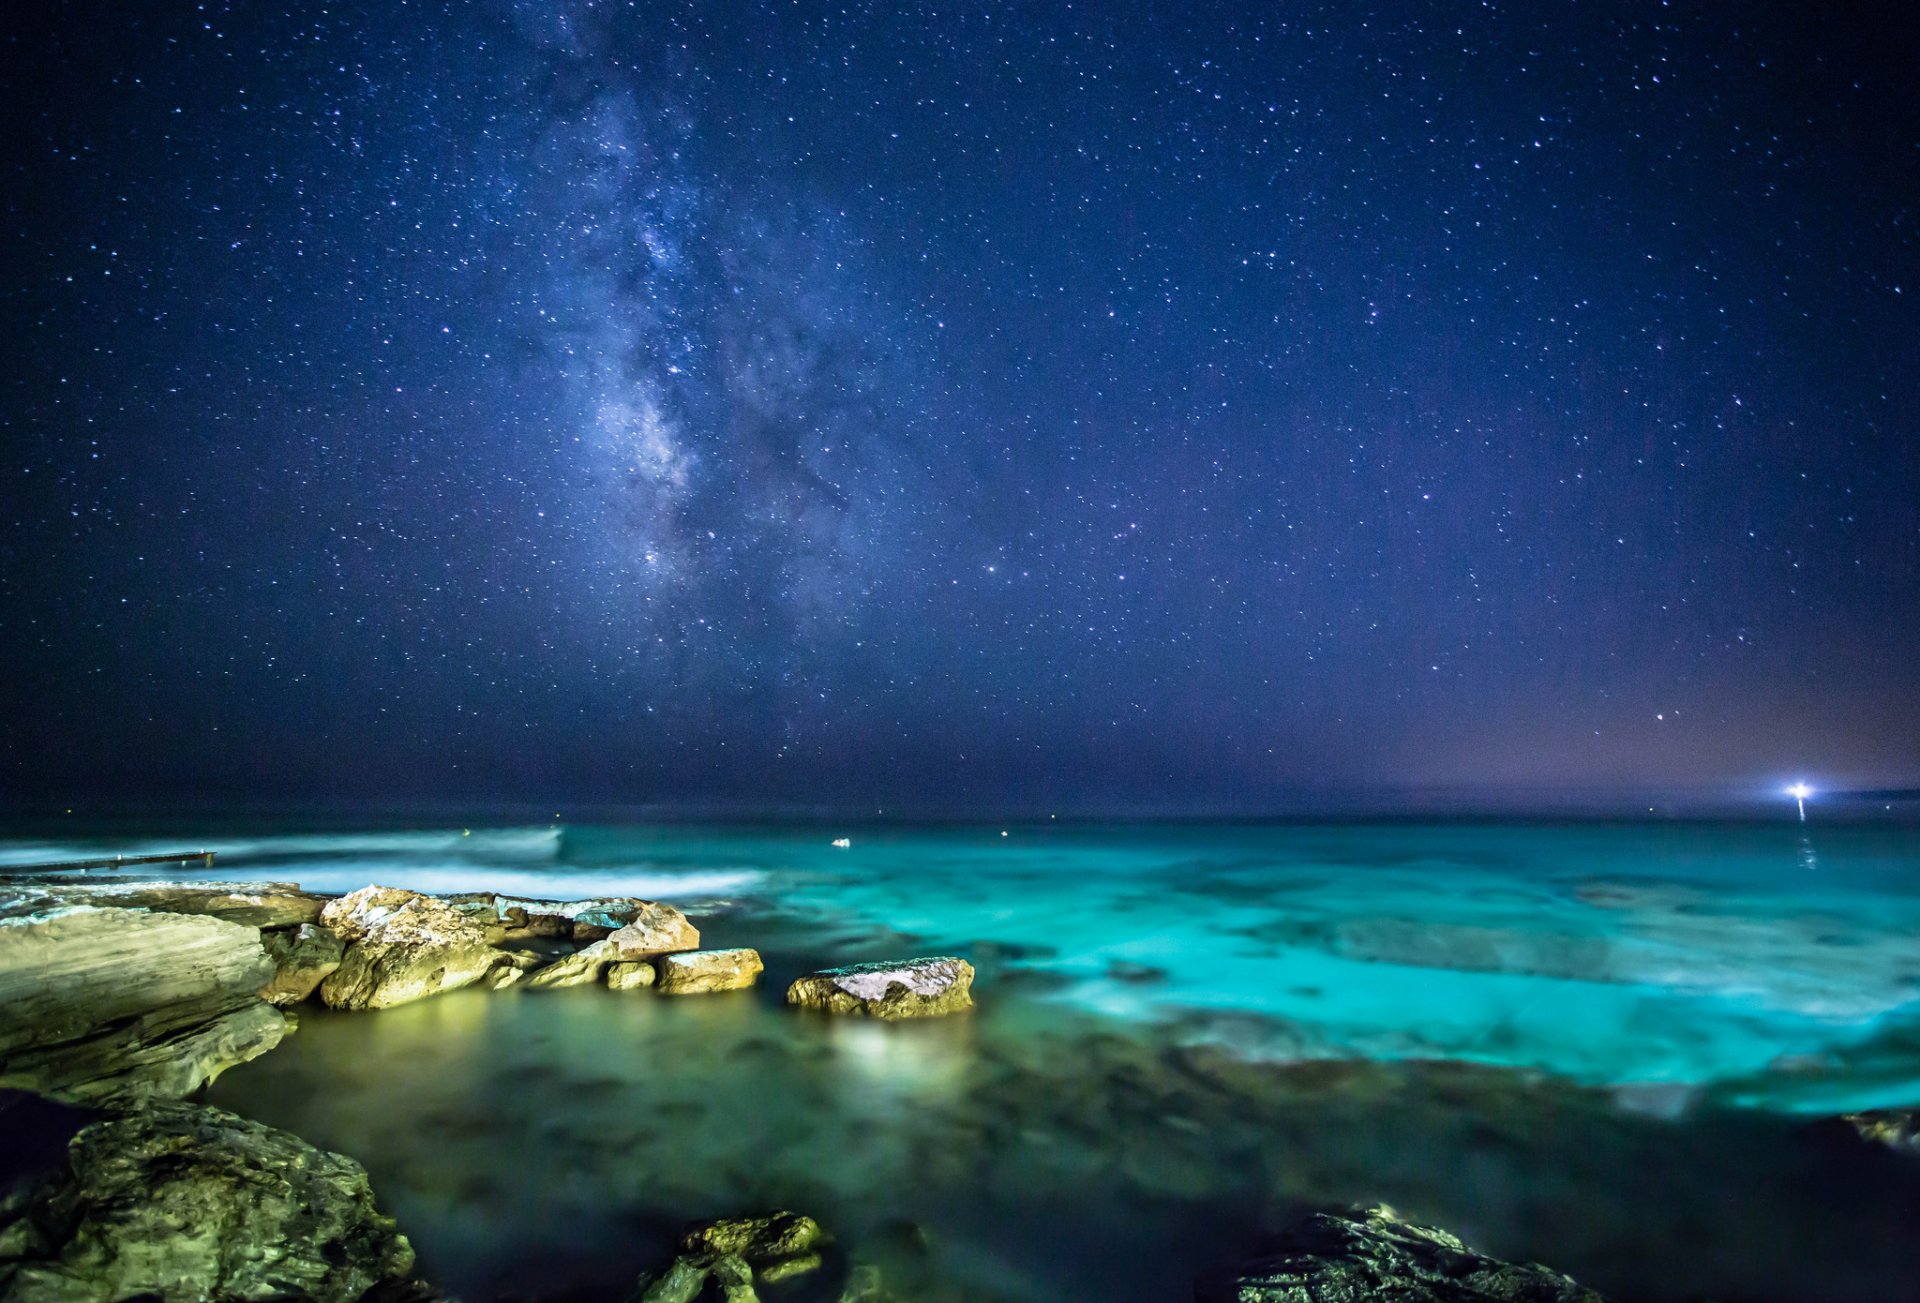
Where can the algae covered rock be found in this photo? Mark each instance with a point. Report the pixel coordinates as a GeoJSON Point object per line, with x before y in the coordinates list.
{"type": "Point", "coordinates": [402, 946]}
{"type": "Point", "coordinates": [302, 958]}
{"type": "Point", "coordinates": [107, 1005]}
{"type": "Point", "coordinates": [908, 988]}
{"type": "Point", "coordinates": [734, 1253]}
{"type": "Point", "coordinates": [693, 972]}
{"type": "Point", "coordinates": [1371, 1254]}
{"type": "Point", "coordinates": [180, 1202]}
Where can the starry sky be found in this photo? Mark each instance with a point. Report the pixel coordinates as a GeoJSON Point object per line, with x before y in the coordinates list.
{"type": "Point", "coordinates": [995, 406]}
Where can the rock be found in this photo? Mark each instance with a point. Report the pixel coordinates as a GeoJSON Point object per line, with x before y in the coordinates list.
{"type": "Point", "coordinates": [541, 927]}
{"type": "Point", "coordinates": [514, 967]}
{"type": "Point", "coordinates": [865, 1285]}
{"type": "Point", "coordinates": [735, 1279]}
{"type": "Point", "coordinates": [788, 1268]}
{"type": "Point", "coordinates": [653, 929]}
{"type": "Point", "coordinates": [103, 1005]}
{"type": "Point", "coordinates": [180, 1202]}
{"type": "Point", "coordinates": [910, 988]}
{"type": "Point", "coordinates": [302, 957]}
{"type": "Point", "coordinates": [1371, 1254]}
{"type": "Point", "coordinates": [733, 1252]}
{"type": "Point", "coordinates": [1896, 1128]}
{"type": "Point", "coordinates": [252, 904]}
{"type": "Point", "coordinates": [692, 972]}
{"type": "Point", "coordinates": [581, 968]}
{"type": "Point", "coordinates": [756, 1239]}
{"type": "Point", "coordinates": [629, 975]}
{"type": "Point", "coordinates": [403, 946]}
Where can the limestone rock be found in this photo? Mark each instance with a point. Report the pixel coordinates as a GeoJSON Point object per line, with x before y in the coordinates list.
{"type": "Point", "coordinates": [180, 1202]}
{"type": "Point", "coordinates": [102, 1005]}
{"type": "Point", "coordinates": [909, 988]}
{"type": "Point", "coordinates": [693, 972]}
{"type": "Point", "coordinates": [302, 958]}
{"type": "Point", "coordinates": [653, 929]}
{"type": "Point", "coordinates": [403, 946]}
{"type": "Point", "coordinates": [1372, 1254]}
{"type": "Point", "coordinates": [629, 975]}
{"type": "Point", "coordinates": [583, 920]}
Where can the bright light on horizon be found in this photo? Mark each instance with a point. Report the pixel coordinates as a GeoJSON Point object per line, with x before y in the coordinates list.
{"type": "Point", "coordinates": [1800, 792]}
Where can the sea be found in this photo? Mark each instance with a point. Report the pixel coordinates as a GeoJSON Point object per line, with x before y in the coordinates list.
{"type": "Point", "coordinates": [1615, 1048]}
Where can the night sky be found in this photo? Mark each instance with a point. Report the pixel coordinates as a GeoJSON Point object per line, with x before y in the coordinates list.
{"type": "Point", "coordinates": [992, 406]}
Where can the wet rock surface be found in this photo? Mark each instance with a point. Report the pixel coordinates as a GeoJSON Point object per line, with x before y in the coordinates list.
{"type": "Point", "coordinates": [114, 1005]}
{"type": "Point", "coordinates": [403, 946]}
{"type": "Point", "coordinates": [908, 988]}
{"type": "Point", "coordinates": [695, 972]}
{"type": "Point", "coordinates": [1372, 1254]}
{"type": "Point", "coordinates": [181, 1202]}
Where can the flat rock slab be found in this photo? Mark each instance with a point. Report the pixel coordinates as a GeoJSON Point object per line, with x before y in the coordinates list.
{"type": "Point", "coordinates": [1372, 1254]}
{"type": "Point", "coordinates": [180, 1202]}
{"type": "Point", "coordinates": [252, 904]}
{"type": "Point", "coordinates": [695, 972]}
{"type": "Point", "coordinates": [120, 1005]}
{"type": "Point", "coordinates": [907, 988]}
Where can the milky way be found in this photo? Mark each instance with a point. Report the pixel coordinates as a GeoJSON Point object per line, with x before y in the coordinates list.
{"type": "Point", "coordinates": [1189, 407]}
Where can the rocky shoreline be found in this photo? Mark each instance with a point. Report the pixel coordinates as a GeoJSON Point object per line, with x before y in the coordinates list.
{"type": "Point", "coordinates": [127, 999]}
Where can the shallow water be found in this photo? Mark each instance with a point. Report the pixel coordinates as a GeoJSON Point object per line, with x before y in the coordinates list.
{"type": "Point", "coordinates": [1583, 1044]}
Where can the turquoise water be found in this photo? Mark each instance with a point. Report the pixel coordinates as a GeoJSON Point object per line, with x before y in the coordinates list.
{"type": "Point", "coordinates": [1687, 956]}
{"type": "Point", "coordinates": [1598, 1046]}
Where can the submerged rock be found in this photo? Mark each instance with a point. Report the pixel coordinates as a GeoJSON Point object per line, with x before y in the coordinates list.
{"type": "Point", "coordinates": [117, 1005]}
{"type": "Point", "coordinates": [910, 988]}
{"type": "Point", "coordinates": [694, 972]}
{"type": "Point", "coordinates": [180, 1202]}
{"type": "Point", "coordinates": [1896, 1128]}
{"type": "Point", "coordinates": [1371, 1254]}
{"type": "Point", "coordinates": [302, 958]}
{"type": "Point", "coordinates": [403, 946]}
{"type": "Point", "coordinates": [734, 1252]}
